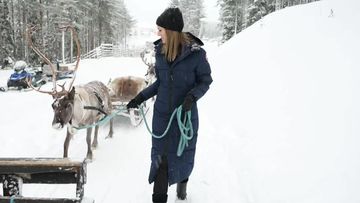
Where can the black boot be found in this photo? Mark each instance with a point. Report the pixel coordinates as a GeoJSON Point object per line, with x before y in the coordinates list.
{"type": "Point", "coordinates": [161, 183]}
{"type": "Point", "coordinates": [159, 198]}
{"type": "Point", "coordinates": [181, 190]}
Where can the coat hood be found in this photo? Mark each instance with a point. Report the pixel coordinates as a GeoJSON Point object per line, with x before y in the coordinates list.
{"type": "Point", "coordinates": [194, 42]}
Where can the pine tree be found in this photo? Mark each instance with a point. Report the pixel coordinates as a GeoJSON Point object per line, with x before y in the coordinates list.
{"type": "Point", "coordinates": [7, 45]}
{"type": "Point", "coordinates": [258, 9]}
{"type": "Point", "coordinates": [231, 17]}
{"type": "Point", "coordinates": [96, 22]}
{"type": "Point", "coordinates": [121, 21]}
{"type": "Point", "coordinates": [193, 11]}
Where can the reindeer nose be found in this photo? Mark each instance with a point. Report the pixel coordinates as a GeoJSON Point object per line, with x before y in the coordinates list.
{"type": "Point", "coordinates": [57, 126]}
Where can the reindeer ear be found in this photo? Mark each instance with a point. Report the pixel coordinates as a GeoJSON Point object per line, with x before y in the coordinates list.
{"type": "Point", "coordinates": [71, 93]}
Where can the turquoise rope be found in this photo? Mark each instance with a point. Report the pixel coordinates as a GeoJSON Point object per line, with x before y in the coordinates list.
{"type": "Point", "coordinates": [185, 127]}
{"type": "Point", "coordinates": [186, 130]}
{"type": "Point", "coordinates": [12, 199]}
{"type": "Point", "coordinates": [105, 119]}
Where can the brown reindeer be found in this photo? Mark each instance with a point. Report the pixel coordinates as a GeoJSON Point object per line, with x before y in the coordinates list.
{"type": "Point", "coordinates": [123, 89]}
{"type": "Point", "coordinates": [79, 106]}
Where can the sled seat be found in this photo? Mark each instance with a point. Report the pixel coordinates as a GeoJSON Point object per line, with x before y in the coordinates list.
{"type": "Point", "coordinates": [14, 172]}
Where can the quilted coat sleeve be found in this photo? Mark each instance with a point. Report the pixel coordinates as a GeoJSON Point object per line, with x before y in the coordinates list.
{"type": "Point", "coordinates": [203, 77]}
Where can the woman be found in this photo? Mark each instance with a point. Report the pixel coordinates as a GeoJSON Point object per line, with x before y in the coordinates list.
{"type": "Point", "coordinates": [183, 77]}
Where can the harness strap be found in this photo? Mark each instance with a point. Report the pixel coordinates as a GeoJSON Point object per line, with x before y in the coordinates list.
{"type": "Point", "coordinates": [101, 102]}
{"type": "Point", "coordinates": [105, 119]}
{"type": "Point", "coordinates": [95, 108]}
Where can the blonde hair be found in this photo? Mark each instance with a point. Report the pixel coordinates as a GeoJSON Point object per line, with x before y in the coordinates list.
{"type": "Point", "coordinates": [175, 41]}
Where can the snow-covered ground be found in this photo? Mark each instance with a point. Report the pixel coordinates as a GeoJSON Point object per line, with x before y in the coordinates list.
{"type": "Point", "coordinates": [280, 123]}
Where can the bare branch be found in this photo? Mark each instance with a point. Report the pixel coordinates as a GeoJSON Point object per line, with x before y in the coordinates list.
{"type": "Point", "coordinates": [75, 37]}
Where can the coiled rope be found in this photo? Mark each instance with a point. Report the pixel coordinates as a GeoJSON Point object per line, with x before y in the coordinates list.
{"type": "Point", "coordinates": [185, 127]}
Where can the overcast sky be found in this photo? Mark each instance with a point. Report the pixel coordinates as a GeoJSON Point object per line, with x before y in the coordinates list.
{"type": "Point", "coordinates": [146, 12]}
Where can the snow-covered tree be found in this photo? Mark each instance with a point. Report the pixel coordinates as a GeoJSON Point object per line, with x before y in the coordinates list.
{"type": "Point", "coordinates": [279, 4]}
{"type": "Point", "coordinates": [231, 17]}
{"type": "Point", "coordinates": [236, 15]}
{"type": "Point", "coordinates": [96, 22]}
{"type": "Point", "coordinates": [258, 9]}
{"type": "Point", "coordinates": [7, 45]}
{"type": "Point", "coordinates": [193, 11]}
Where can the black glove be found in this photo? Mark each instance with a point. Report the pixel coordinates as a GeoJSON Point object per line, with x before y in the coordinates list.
{"type": "Point", "coordinates": [134, 103]}
{"type": "Point", "coordinates": [188, 102]}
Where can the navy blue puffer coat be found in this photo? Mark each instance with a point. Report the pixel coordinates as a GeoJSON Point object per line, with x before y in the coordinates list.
{"type": "Point", "coordinates": [189, 74]}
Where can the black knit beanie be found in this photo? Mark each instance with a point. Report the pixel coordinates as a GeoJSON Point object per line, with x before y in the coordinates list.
{"type": "Point", "coordinates": [171, 19]}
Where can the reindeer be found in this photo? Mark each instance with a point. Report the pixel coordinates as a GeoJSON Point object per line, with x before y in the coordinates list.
{"type": "Point", "coordinates": [123, 89]}
{"type": "Point", "coordinates": [147, 56]}
{"type": "Point", "coordinates": [79, 106]}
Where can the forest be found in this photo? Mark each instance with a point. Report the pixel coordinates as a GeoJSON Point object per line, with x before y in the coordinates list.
{"type": "Point", "coordinates": [95, 21]}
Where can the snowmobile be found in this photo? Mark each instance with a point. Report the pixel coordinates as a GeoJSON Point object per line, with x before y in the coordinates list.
{"type": "Point", "coordinates": [18, 79]}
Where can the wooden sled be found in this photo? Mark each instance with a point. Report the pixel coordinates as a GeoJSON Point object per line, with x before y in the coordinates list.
{"type": "Point", "coordinates": [14, 172]}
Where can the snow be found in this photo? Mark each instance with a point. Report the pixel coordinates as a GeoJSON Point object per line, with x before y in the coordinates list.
{"type": "Point", "coordinates": [280, 123]}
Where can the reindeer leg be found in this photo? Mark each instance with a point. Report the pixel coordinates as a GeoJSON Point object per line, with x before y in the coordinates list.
{"type": "Point", "coordinates": [67, 142]}
{"type": "Point", "coordinates": [111, 131]}
{"type": "Point", "coordinates": [88, 141]}
{"type": "Point", "coordinates": [95, 141]}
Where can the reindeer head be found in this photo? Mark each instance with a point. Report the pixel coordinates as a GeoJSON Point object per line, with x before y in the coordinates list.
{"type": "Point", "coordinates": [63, 107]}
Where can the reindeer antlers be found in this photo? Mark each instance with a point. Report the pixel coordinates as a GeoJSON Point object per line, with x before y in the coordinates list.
{"type": "Point", "coordinates": [142, 56]}
{"type": "Point", "coordinates": [29, 31]}
{"type": "Point", "coordinates": [54, 93]}
{"type": "Point", "coordinates": [53, 69]}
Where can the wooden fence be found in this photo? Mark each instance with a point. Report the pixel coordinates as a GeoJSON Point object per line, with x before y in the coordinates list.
{"type": "Point", "coordinates": [110, 50]}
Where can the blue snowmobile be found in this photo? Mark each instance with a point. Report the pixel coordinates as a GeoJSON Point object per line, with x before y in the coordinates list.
{"type": "Point", "coordinates": [20, 76]}
{"type": "Point", "coordinates": [18, 80]}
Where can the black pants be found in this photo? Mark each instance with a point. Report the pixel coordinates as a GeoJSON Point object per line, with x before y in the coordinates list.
{"type": "Point", "coordinates": [161, 180]}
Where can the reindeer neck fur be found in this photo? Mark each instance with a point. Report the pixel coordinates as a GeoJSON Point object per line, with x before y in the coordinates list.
{"type": "Point", "coordinates": [84, 96]}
